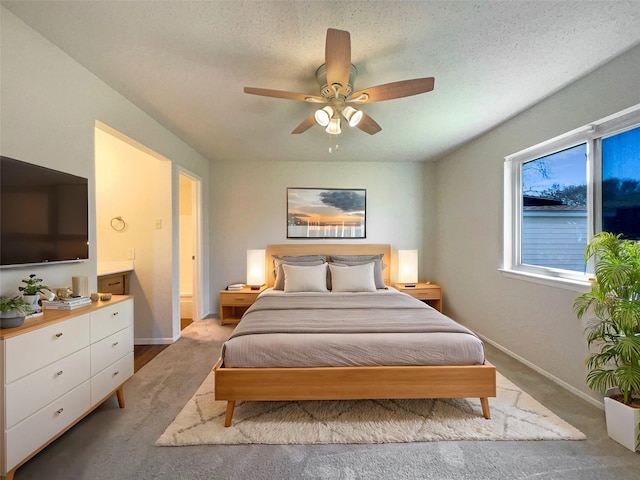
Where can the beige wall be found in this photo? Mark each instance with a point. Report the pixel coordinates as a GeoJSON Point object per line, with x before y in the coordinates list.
{"type": "Point", "coordinates": [535, 322]}
{"type": "Point", "coordinates": [49, 106]}
{"type": "Point", "coordinates": [133, 184]}
{"type": "Point", "coordinates": [186, 234]}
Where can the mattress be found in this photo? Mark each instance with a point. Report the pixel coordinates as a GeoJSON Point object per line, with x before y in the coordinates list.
{"type": "Point", "coordinates": [314, 329]}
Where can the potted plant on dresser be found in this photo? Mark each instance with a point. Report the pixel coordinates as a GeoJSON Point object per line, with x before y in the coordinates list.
{"type": "Point", "coordinates": [12, 311]}
{"type": "Point", "coordinates": [31, 289]}
{"type": "Point", "coordinates": [614, 334]}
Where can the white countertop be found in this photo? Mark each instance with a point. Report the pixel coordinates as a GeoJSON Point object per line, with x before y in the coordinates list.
{"type": "Point", "coordinates": [109, 268]}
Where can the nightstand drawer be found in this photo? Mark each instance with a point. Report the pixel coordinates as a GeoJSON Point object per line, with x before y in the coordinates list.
{"type": "Point", "coordinates": [425, 293]}
{"type": "Point", "coordinates": [233, 304]}
{"type": "Point", "coordinates": [241, 299]}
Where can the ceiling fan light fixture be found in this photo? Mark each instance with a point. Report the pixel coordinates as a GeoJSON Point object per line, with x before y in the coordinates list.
{"type": "Point", "coordinates": [323, 116]}
{"type": "Point", "coordinates": [334, 126]}
{"type": "Point", "coordinates": [352, 115]}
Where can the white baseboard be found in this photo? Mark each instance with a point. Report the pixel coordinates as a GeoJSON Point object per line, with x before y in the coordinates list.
{"type": "Point", "coordinates": [153, 341]}
{"type": "Point", "coordinates": [546, 374]}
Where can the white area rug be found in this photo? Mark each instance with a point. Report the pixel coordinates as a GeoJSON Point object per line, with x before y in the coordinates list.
{"type": "Point", "coordinates": [514, 416]}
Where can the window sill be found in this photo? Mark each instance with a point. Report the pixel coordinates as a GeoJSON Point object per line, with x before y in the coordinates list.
{"type": "Point", "coordinates": [575, 285]}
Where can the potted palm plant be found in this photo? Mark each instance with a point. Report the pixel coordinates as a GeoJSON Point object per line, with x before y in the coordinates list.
{"type": "Point", "coordinates": [12, 311]}
{"type": "Point", "coordinates": [614, 334]}
{"type": "Point", "coordinates": [31, 289]}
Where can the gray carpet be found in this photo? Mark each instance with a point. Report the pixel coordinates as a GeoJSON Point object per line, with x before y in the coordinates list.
{"type": "Point", "coordinates": [119, 444]}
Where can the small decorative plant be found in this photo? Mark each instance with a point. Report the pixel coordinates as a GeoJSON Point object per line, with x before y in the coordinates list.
{"type": "Point", "coordinates": [615, 301]}
{"type": "Point", "coordinates": [14, 303]}
{"type": "Point", "coordinates": [32, 285]}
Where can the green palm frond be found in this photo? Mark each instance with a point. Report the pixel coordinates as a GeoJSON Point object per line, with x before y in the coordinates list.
{"type": "Point", "coordinates": [614, 298]}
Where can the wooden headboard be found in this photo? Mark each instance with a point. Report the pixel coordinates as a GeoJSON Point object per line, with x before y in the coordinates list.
{"type": "Point", "coordinates": [328, 249]}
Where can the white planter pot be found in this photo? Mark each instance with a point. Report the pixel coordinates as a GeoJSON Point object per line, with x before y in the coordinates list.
{"type": "Point", "coordinates": [32, 300]}
{"type": "Point", "coordinates": [622, 421]}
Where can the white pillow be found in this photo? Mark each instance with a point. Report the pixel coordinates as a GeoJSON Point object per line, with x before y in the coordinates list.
{"type": "Point", "coordinates": [305, 279]}
{"type": "Point", "coordinates": [358, 278]}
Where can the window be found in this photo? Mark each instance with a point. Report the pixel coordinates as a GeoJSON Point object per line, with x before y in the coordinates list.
{"type": "Point", "coordinates": [560, 193]}
{"type": "Point", "coordinates": [621, 183]}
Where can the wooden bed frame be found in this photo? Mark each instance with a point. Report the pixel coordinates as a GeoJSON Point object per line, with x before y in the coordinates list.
{"type": "Point", "coordinates": [349, 383]}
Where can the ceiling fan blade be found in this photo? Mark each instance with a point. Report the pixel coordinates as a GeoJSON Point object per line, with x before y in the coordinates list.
{"type": "Point", "coordinates": [368, 125]}
{"type": "Point", "coordinates": [389, 91]}
{"type": "Point", "coordinates": [265, 92]}
{"type": "Point", "coordinates": [306, 124]}
{"type": "Point", "coordinates": [337, 58]}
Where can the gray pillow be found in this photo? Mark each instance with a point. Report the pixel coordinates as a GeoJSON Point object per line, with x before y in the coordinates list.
{"type": "Point", "coordinates": [356, 258]}
{"type": "Point", "coordinates": [303, 260]}
{"type": "Point", "coordinates": [377, 267]}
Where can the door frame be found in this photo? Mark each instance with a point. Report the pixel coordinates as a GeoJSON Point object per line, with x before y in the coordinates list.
{"type": "Point", "coordinates": [196, 203]}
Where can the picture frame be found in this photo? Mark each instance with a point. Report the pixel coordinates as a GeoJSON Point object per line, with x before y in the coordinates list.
{"type": "Point", "coordinates": [326, 213]}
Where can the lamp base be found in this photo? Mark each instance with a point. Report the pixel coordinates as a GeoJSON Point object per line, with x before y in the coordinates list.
{"type": "Point", "coordinates": [255, 287]}
{"type": "Point", "coordinates": [409, 285]}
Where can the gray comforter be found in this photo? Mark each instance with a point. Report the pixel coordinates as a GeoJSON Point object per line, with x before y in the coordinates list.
{"type": "Point", "coordinates": [361, 312]}
{"type": "Point", "coordinates": [377, 328]}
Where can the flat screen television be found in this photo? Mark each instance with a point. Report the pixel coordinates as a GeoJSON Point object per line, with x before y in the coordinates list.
{"type": "Point", "coordinates": [44, 215]}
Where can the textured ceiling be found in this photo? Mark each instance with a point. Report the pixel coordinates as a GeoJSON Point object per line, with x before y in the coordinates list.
{"type": "Point", "coordinates": [186, 63]}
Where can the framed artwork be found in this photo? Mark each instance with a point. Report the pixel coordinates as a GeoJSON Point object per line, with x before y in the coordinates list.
{"type": "Point", "coordinates": [338, 213]}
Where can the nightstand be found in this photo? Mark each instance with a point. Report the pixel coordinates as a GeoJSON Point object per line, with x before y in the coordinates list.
{"type": "Point", "coordinates": [233, 303]}
{"type": "Point", "coordinates": [427, 292]}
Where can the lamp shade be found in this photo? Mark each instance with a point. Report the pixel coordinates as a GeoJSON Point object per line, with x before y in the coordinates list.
{"type": "Point", "coordinates": [255, 268]}
{"type": "Point", "coordinates": [323, 116]}
{"type": "Point", "coordinates": [408, 266]}
{"type": "Point", "coordinates": [334, 126]}
{"type": "Point", "coordinates": [352, 115]}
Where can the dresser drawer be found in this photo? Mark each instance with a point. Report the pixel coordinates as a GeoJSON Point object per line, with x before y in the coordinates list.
{"type": "Point", "coordinates": [31, 393]}
{"type": "Point", "coordinates": [110, 319]}
{"type": "Point", "coordinates": [27, 353]}
{"type": "Point", "coordinates": [28, 435]}
{"type": "Point", "coordinates": [111, 378]}
{"type": "Point", "coordinates": [108, 350]}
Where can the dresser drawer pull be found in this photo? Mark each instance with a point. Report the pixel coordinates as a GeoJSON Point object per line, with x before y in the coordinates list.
{"type": "Point", "coordinates": [114, 314]}
{"type": "Point", "coordinates": [115, 344]}
{"type": "Point", "coordinates": [114, 283]}
{"type": "Point", "coordinates": [59, 411]}
{"type": "Point", "coordinates": [59, 373]}
{"type": "Point", "coordinates": [116, 373]}
{"type": "Point", "coordinates": [59, 334]}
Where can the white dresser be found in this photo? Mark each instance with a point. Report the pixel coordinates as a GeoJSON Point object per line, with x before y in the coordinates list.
{"type": "Point", "coordinates": [57, 368]}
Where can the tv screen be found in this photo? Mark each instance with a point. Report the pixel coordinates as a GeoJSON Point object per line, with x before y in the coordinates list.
{"type": "Point", "coordinates": [43, 215]}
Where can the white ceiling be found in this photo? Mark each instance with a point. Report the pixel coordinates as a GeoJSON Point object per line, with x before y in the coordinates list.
{"type": "Point", "coordinates": [186, 63]}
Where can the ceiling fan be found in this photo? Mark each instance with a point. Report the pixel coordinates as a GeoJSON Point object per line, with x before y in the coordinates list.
{"type": "Point", "coordinates": [336, 77]}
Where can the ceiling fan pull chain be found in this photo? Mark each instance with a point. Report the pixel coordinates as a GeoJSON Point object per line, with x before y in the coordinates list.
{"type": "Point", "coordinates": [331, 149]}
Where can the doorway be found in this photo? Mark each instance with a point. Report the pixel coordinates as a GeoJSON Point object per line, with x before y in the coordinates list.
{"type": "Point", "coordinates": [189, 247]}
{"type": "Point", "coordinates": [147, 238]}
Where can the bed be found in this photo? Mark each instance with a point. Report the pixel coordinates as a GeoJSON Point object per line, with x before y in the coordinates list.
{"type": "Point", "coordinates": [428, 363]}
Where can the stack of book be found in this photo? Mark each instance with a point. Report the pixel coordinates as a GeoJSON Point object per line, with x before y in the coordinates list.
{"type": "Point", "coordinates": [235, 286]}
{"type": "Point", "coordinates": [66, 304]}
